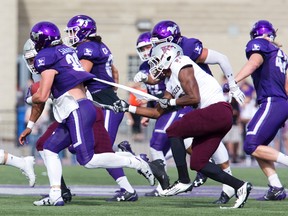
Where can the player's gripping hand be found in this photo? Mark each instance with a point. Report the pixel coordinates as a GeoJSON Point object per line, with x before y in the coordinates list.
{"type": "Point", "coordinates": [165, 103]}
{"type": "Point", "coordinates": [236, 92]}
{"type": "Point", "coordinates": [140, 77]}
{"type": "Point", "coordinates": [28, 95]}
{"type": "Point", "coordinates": [120, 106]}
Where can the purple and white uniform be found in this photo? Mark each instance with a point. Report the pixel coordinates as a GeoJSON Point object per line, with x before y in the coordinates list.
{"type": "Point", "coordinates": [80, 126]}
{"type": "Point", "coordinates": [192, 48]}
{"type": "Point", "coordinates": [102, 59]}
{"type": "Point", "coordinates": [269, 83]}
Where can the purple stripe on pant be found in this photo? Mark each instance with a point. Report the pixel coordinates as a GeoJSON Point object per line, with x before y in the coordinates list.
{"type": "Point", "coordinates": [80, 126]}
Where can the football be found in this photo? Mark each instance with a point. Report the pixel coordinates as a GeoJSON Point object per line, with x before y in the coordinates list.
{"type": "Point", "coordinates": [34, 87]}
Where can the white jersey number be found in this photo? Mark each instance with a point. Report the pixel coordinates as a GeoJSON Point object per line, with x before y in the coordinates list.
{"type": "Point", "coordinates": [281, 61]}
{"type": "Point", "coordinates": [74, 61]}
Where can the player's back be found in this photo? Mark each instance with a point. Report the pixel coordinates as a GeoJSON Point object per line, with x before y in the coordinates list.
{"type": "Point", "coordinates": [101, 57]}
{"type": "Point", "coordinates": [64, 60]}
{"type": "Point", "coordinates": [269, 78]}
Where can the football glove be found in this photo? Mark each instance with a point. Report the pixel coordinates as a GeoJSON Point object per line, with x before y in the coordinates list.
{"type": "Point", "coordinates": [165, 103]}
{"type": "Point", "coordinates": [140, 77]}
{"type": "Point", "coordinates": [236, 93]}
{"type": "Point", "coordinates": [120, 106]}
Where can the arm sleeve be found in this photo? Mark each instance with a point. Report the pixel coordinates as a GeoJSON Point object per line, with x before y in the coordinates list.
{"type": "Point", "coordinates": [214, 57]}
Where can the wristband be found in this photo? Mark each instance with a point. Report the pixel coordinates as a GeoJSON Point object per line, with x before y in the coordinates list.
{"type": "Point", "coordinates": [29, 100]}
{"type": "Point", "coordinates": [132, 109]}
{"type": "Point", "coordinates": [30, 124]}
{"type": "Point", "coordinates": [172, 102]}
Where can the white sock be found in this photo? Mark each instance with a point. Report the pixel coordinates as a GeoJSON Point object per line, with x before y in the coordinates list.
{"type": "Point", "coordinates": [168, 155]}
{"type": "Point", "coordinates": [15, 161]}
{"type": "Point", "coordinates": [42, 156]}
{"type": "Point", "coordinates": [282, 159]}
{"type": "Point", "coordinates": [155, 154]}
{"type": "Point", "coordinates": [54, 167]}
{"type": "Point", "coordinates": [113, 160]}
{"type": "Point", "coordinates": [54, 194]}
{"type": "Point", "coordinates": [274, 180]}
{"type": "Point", "coordinates": [124, 183]}
{"type": "Point", "coordinates": [226, 188]}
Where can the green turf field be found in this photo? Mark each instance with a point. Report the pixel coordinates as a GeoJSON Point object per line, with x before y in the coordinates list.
{"type": "Point", "coordinates": [76, 175]}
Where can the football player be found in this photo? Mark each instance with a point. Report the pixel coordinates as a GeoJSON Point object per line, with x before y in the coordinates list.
{"type": "Point", "coordinates": [168, 30]}
{"type": "Point", "coordinates": [188, 85]}
{"type": "Point", "coordinates": [63, 76]}
{"type": "Point", "coordinates": [267, 64]}
{"type": "Point", "coordinates": [97, 59]}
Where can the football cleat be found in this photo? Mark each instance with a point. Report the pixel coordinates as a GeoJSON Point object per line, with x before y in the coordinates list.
{"type": "Point", "coordinates": [274, 194]}
{"type": "Point", "coordinates": [223, 199]}
{"type": "Point", "coordinates": [199, 180]}
{"type": "Point", "coordinates": [46, 201]}
{"type": "Point", "coordinates": [66, 195]}
{"type": "Point", "coordinates": [242, 195]}
{"type": "Point", "coordinates": [145, 170]}
{"type": "Point", "coordinates": [177, 188]}
{"type": "Point", "coordinates": [28, 170]}
{"type": "Point", "coordinates": [123, 195]}
{"type": "Point", "coordinates": [158, 170]}
{"type": "Point", "coordinates": [154, 193]}
{"type": "Point", "coordinates": [124, 146]}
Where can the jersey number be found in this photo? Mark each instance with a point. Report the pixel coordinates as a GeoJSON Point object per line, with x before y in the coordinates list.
{"type": "Point", "coordinates": [74, 61]}
{"type": "Point", "coordinates": [281, 61]}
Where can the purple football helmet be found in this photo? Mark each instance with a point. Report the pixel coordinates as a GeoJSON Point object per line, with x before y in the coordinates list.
{"type": "Point", "coordinates": [44, 34]}
{"type": "Point", "coordinates": [263, 27]}
{"type": "Point", "coordinates": [79, 28]}
{"type": "Point", "coordinates": [166, 31]}
{"type": "Point", "coordinates": [144, 45]}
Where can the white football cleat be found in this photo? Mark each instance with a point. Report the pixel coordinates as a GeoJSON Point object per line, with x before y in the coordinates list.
{"type": "Point", "coordinates": [45, 201]}
{"type": "Point", "coordinates": [242, 195]}
{"type": "Point", "coordinates": [146, 171]}
{"type": "Point", "coordinates": [177, 188]}
{"type": "Point", "coordinates": [28, 170]}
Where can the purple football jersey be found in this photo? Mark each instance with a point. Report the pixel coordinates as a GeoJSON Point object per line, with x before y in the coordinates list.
{"type": "Point", "coordinates": [269, 79]}
{"type": "Point", "coordinates": [101, 57]}
{"type": "Point", "coordinates": [156, 90]}
{"type": "Point", "coordinates": [193, 47]}
{"type": "Point", "coordinates": [64, 60]}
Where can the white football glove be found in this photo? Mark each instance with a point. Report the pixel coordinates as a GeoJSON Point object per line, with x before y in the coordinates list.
{"type": "Point", "coordinates": [120, 106]}
{"type": "Point", "coordinates": [165, 103]}
{"type": "Point", "coordinates": [236, 93]}
{"type": "Point", "coordinates": [141, 77]}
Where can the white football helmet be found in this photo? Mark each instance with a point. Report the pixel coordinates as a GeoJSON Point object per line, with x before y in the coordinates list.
{"type": "Point", "coordinates": [162, 57]}
{"type": "Point", "coordinates": [29, 53]}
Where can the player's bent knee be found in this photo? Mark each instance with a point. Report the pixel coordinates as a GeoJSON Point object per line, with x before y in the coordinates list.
{"type": "Point", "coordinates": [249, 148]}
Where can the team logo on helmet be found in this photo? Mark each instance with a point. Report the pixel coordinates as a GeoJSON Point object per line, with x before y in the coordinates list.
{"type": "Point", "coordinates": [83, 22]}
{"type": "Point", "coordinates": [35, 35]}
{"type": "Point", "coordinates": [172, 29]}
